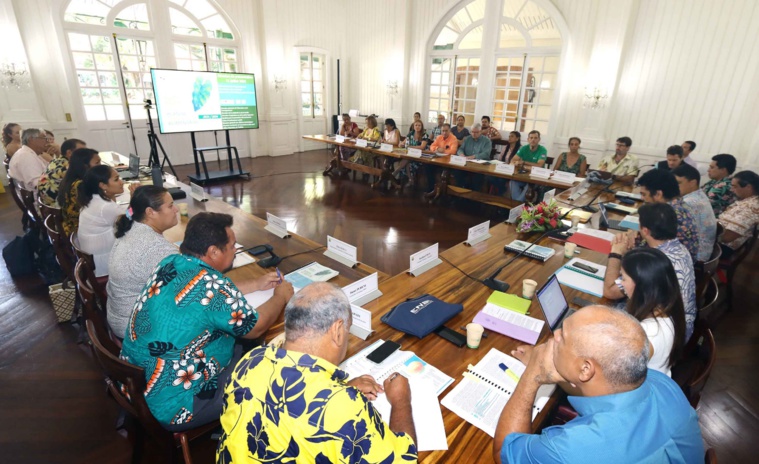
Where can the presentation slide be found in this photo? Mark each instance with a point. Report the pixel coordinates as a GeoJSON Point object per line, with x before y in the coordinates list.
{"type": "Point", "coordinates": [196, 101]}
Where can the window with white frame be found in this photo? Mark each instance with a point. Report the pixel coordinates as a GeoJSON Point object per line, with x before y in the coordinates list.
{"type": "Point", "coordinates": [312, 68]}
{"type": "Point", "coordinates": [113, 73]}
{"type": "Point", "coordinates": [521, 67]}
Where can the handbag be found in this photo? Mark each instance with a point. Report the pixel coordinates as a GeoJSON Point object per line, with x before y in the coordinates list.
{"type": "Point", "coordinates": [64, 300]}
{"type": "Point", "coordinates": [420, 316]}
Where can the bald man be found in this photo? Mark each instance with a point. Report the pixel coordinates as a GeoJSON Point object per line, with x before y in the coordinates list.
{"type": "Point", "coordinates": [626, 413]}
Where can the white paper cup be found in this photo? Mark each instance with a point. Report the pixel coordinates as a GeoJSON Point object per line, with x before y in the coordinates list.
{"type": "Point", "coordinates": [569, 249]}
{"type": "Point", "coordinates": [474, 334]}
{"type": "Point", "coordinates": [575, 220]}
{"type": "Point", "coordinates": [183, 209]}
{"type": "Point", "coordinates": [528, 288]}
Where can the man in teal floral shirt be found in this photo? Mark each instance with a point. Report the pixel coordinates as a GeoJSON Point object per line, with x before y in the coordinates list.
{"type": "Point", "coordinates": [719, 188]}
{"type": "Point", "coordinates": [183, 327]}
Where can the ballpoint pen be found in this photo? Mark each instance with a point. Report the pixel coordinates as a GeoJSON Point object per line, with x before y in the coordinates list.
{"type": "Point", "coordinates": [279, 274]}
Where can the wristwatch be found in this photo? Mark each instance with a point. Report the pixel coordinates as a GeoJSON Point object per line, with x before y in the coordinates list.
{"type": "Point", "coordinates": [615, 255]}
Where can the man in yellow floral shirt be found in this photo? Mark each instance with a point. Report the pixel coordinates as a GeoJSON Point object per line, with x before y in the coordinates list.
{"type": "Point", "coordinates": [292, 404]}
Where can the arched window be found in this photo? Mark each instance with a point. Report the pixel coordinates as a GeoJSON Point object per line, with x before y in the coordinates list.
{"type": "Point", "coordinates": [113, 46]}
{"type": "Point", "coordinates": [498, 58]}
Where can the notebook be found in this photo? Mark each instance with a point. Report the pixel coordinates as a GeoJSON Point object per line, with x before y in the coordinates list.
{"type": "Point", "coordinates": [582, 280]}
{"type": "Point", "coordinates": [592, 239]}
{"type": "Point", "coordinates": [510, 301]}
{"type": "Point", "coordinates": [486, 388]}
{"type": "Point", "coordinates": [535, 251]}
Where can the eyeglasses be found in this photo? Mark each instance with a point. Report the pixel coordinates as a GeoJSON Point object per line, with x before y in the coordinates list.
{"type": "Point", "coordinates": [42, 137]}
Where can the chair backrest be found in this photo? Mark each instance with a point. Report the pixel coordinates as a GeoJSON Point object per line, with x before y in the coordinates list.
{"type": "Point", "coordinates": [27, 198]}
{"type": "Point", "coordinates": [46, 211]}
{"type": "Point", "coordinates": [92, 311]}
{"type": "Point", "coordinates": [549, 162]}
{"type": "Point", "coordinates": [497, 146]}
{"type": "Point", "coordinates": [707, 305]}
{"type": "Point", "coordinates": [694, 369]}
{"type": "Point", "coordinates": [127, 385]}
{"type": "Point", "coordinates": [89, 264]}
{"type": "Point", "coordinates": [744, 250]}
{"type": "Point", "coordinates": [704, 270]}
{"type": "Point", "coordinates": [60, 243]}
{"type": "Point", "coordinates": [13, 187]}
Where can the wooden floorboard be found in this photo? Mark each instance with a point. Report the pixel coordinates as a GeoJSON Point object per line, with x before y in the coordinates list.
{"type": "Point", "coordinates": [53, 405]}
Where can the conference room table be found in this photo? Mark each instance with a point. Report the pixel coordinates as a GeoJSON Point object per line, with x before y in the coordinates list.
{"type": "Point", "coordinates": [384, 173]}
{"type": "Point", "coordinates": [457, 280]}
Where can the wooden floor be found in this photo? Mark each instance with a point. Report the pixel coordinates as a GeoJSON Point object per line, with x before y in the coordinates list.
{"type": "Point", "coordinates": [53, 406]}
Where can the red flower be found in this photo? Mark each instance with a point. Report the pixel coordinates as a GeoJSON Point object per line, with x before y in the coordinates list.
{"type": "Point", "coordinates": [540, 209]}
{"type": "Point", "coordinates": [541, 221]}
{"type": "Point", "coordinates": [553, 222]}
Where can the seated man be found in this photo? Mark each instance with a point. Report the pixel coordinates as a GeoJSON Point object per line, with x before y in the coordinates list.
{"type": "Point", "coordinates": [742, 217]}
{"type": "Point", "coordinates": [183, 326]}
{"type": "Point", "coordinates": [674, 158]}
{"type": "Point", "coordinates": [688, 178]}
{"type": "Point", "coordinates": [688, 147]}
{"type": "Point", "coordinates": [719, 187]}
{"type": "Point", "coordinates": [661, 187]}
{"type": "Point", "coordinates": [437, 131]}
{"type": "Point", "coordinates": [626, 412]}
{"type": "Point", "coordinates": [622, 166]}
{"type": "Point", "coordinates": [488, 130]}
{"type": "Point", "coordinates": [50, 180]}
{"type": "Point", "coordinates": [476, 146]}
{"type": "Point", "coordinates": [293, 404]}
{"type": "Point", "coordinates": [532, 154]}
{"type": "Point", "coordinates": [658, 228]}
{"type": "Point", "coordinates": [31, 160]}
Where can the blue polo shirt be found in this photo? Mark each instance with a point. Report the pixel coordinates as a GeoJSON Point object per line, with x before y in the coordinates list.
{"type": "Point", "coordinates": [651, 424]}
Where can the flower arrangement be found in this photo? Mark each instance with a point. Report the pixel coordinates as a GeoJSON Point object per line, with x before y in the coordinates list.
{"type": "Point", "coordinates": [539, 218]}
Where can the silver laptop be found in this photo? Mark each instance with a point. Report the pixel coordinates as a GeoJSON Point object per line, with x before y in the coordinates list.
{"type": "Point", "coordinates": [554, 303]}
{"type": "Point", "coordinates": [134, 168]}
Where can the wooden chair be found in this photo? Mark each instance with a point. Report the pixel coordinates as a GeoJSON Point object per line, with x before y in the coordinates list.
{"type": "Point", "coordinates": [46, 210]}
{"type": "Point", "coordinates": [704, 271]}
{"type": "Point", "coordinates": [62, 248]}
{"type": "Point", "coordinates": [707, 305]}
{"type": "Point", "coordinates": [98, 284]}
{"type": "Point", "coordinates": [692, 372]}
{"type": "Point", "coordinates": [27, 199]}
{"type": "Point", "coordinates": [132, 399]}
{"type": "Point", "coordinates": [16, 197]}
{"type": "Point", "coordinates": [710, 457]}
{"type": "Point", "coordinates": [92, 311]}
{"type": "Point", "coordinates": [731, 264]}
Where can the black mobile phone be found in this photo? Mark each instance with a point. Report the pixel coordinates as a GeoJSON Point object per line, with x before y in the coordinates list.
{"type": "Point", "coordinates": [627, 201]}
{"type": "Point", "coordinates": [451, 335]}
{"type": "Point", "coordinates": [383, 351]}
{"type": "Point", "coordinates": [585, 267]}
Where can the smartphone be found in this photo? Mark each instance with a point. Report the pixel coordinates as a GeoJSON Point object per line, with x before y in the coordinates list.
{"type": "Point", "coordinates": [452, 336]}
{"type": "Point", "coordinates": [585, 267]}
{"type": "Point", "coordinates": [383, 351]}
{"type": "Point", "coordinates": [627, 201]}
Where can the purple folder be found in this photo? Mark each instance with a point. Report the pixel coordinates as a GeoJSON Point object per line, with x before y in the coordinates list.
{"type": "Point", "coordinates": [506, 328]}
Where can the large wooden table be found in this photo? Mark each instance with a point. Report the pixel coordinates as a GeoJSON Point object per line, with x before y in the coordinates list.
{"type": "Point", "coordinates": [467, 444]}
{"type": "Point", "coordinates": [443, 187]}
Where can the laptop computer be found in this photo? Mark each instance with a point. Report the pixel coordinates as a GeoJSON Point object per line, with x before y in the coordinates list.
{"type": "Point", "coordinates": [609, 223]}
{"type": "Point", "coordinates": [554, 303]}
{"type": "Point", "coordinates": [134, 168]}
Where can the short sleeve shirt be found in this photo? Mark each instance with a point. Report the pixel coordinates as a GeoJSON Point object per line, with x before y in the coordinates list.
{"type": "Point", "coordinates": [627, 166]}
{"type": "Point", "coordinates": [285, 406]}
{"type": "Point", "coordinates": [687, 232]}
{"type": "Point", "coordinates": [491, 133]}
{"type": "Point", "coordinates": [683, 264]}
{"type": "Point", "coordinates": [460, 134]}
{"type": "Point", "coordinates": [47, 188]}
{"type": "Point", "coordinates": [706, 224]}
{"type": "Point", "coordinates": [537, 156]}
{"type": "Point", "coordinates": [741, 217]}
{"type": "Point", "coordinates": [720, 194]}
{"type": "Point", "coordinates": [182, 332]}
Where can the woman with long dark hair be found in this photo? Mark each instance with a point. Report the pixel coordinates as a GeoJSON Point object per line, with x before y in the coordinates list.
{"type": "Point", "coordinates": [11, 138]}
{"type": "Point", "coordinates": [139, 247]}
{"type": "Point", "coordinates": [653, 297]}
{"type": "Point", "coordinates": [81, 161]}
{"type": "Point", "coordinates": [98, 213]}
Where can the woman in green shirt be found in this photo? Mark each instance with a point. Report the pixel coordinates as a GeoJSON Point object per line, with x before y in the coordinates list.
{"type": "Point", "coordinates": [572, 161]}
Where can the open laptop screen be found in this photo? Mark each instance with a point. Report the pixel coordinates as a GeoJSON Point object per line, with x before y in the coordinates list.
{"type": "Point", "coordinates": [553, 302]}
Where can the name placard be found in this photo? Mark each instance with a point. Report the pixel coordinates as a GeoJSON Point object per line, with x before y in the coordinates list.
{"type": "Point", "coordinates": [514, 214]}
{"type": "Point", "coordinates": [276, 226]}
{"type": "Point", "coordinates": [478, 233]}
{"type": "Point", "coordinates": [548, 196]}
{"type": "Point", "coordinates": [197, 192]}
{"type": "Point", "coordinates": [457, 160]}
{"type": "Point", "coordinates": [543, 173]}
{"type": "Point", "coordinates": [364, 290]}
{"type": "Point", "coordinates": [362, 322]}
{"type": "Point", "coordinates": [564, 177]}
{"type": "Point", "coordinates": [341, 251]}
{"type": "Point", "coordinates": [415, 152]}
{"type": "Point", "coordinates": [340, 138]}
{"type": "Point", "coordinates": [422, 261]}
{"type": "Point", "coordinates": [361, 143]}
{"type": "Point", "coordinates": [504, 168]}
{"type": "Point", "coordinates": [386, 147]}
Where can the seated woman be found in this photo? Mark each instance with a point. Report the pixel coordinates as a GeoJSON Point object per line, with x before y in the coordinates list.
{"type": "Point", "coordinates": [348, 129]}
{"type": "Point", "coordinates": [371, 134]}
{"type": "Point", "coordinates": [572, 161]}
{"type": "Point", "coordinates": [98, 213]}
{"type": "Point", "coordinates": [391, 135]}
{"type": "Point", "coordinates": [459, 130]}
{"type": "Point", "coordinates": [740, 219]}
{"type": "Point", "coordinates": [139, 247]}
{"type": "Point", "coordinates": [81, 161]}
{"type": "Point", "coordinates": [507, 152]}
{"type": "Point", "coordinates": [11, 139]}
{"type": "Point", "coordinates": [416, 138]}
{"type": "Point", "coordinates": [648, 279]}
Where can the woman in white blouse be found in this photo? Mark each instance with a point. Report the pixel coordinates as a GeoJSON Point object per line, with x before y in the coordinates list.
{"type": "Point", "coordinates": [99, 210]}
{"type": "Point", "coordinates": [653, 297]}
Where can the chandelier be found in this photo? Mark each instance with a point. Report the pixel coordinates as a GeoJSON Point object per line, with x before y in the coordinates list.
{"type": "Point", "coordinates": [15, 76]}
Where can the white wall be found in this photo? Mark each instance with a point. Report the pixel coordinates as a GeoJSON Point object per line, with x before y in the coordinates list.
{"type": "Point", "coordinates": [675, 70]}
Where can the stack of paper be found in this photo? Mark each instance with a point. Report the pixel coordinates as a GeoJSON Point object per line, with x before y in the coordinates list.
{"type": "Point", "coordinates": [510, 323]}
{"type": "Point", "coordinates": [311, 273]}
{"type": "Point", "coordinates": [582, 280]}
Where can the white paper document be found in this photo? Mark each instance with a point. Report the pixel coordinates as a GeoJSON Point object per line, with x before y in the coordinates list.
{"type": "Point", "coordinates": [530, 323]}
{"type": "Point", "coordinates": [582, 280]}
{"type": "Point", "coordinates": [256, 299]}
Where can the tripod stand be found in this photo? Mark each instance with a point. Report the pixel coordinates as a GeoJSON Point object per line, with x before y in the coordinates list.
{"type": "Point", "coordinates": [155, 160]}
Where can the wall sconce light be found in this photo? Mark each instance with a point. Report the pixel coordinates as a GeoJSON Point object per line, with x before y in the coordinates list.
{"type": "Point", "coordinates": [392, 88]}
{"type": "Point", "coordinates": [595, 98]}
{"type": "Point", "coordinates": [280, 83]}
{"type": "Point", "coordinates": [15, 76]}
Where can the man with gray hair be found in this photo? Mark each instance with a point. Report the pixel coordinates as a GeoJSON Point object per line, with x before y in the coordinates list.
{"type": "Point", "coordinates": [31, 160]}
{"type": "Point", "coordinates": [476, 146]}
{"type": "Point", "coordinates": [626, 413]}
{"type": "Point", "coordinates": [293, 403]}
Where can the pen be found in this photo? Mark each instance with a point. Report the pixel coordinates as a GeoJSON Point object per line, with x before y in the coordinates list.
{"type": "Point", "coordinates": [392, 377]}
{"type": "Point", "coordinates": [279, 274]}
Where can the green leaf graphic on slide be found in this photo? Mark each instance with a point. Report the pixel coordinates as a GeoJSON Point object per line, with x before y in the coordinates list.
{"type": "Point", "coordinates": [200, 93]}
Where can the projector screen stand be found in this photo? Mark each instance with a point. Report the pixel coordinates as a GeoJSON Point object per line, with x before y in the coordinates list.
{"type": "Point", "coordinates": [155, 143]}
{"type": "Point", "coordinates": [200, 161]}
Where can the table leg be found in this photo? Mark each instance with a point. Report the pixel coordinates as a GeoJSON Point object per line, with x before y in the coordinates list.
{"type": "Point", "coordinates": [333, 163]}
{"type": "Point", "coordinates": [440, 187]}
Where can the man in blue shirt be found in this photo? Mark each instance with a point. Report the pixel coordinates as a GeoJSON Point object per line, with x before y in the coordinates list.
{"type": "Point", "coordinates": [475, 146]}
{"type": "Point", "coordinates": [626, 412]}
